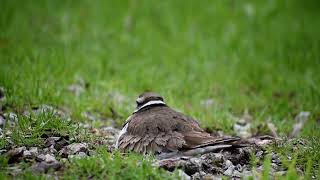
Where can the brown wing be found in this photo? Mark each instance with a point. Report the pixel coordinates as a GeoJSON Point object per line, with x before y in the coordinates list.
{"type": "Point", "coordinates": [161, 129]}
{"type": "Point", "coordinates": [195, 136]}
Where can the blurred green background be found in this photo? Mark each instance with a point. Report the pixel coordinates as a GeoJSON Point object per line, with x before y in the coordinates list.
{"type": "Point", "coordinates": [257, 55]}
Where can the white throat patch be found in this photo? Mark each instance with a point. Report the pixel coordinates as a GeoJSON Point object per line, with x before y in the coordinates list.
{"type": "Point", "coordinates": [149, 104]}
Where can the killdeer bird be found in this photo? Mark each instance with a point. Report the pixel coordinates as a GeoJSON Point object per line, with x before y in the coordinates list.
{"type": "Point", "coordinates": [155, 128]}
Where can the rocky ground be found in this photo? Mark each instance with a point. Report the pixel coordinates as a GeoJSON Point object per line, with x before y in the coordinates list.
{"type": "Point", "coordinates": [231, 163]}
{"type": "Point", "coordinates": [203, 163]}
{"type": "Point", "coordinates": [58, 150]}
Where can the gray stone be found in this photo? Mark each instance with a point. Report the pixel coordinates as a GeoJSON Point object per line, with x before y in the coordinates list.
{"type": "Point", "coordinates": [77, 147]}
{"type": "Point", "coordinates": [229, 168]}
{"type": "Point", "coordinates": [228, 164]}
{"type": "Point", "coordinates": [51, 141]}
{"type": "Point", "coordinates": [15, 155]}
{"type": "Point", "coordinates": [11, 118]}
{"type": "Point", "coordinates": [50, 158]}
{"type": "Point", "coordinates": [60, 144]}
{"type": "Point", "coordinates": [259, 154]}
{"type": "Point", "coordinates": [229, 171]}
{"type": "Point", "coordinates": [33, 151]}
{"type": "Point", "coordinates": [74, 148]}
{"type": "Point", "coordinates": [27, 154]}
{"type": "Point", "coordinates": [275, 159]}
{"type": "Point", "coordinates": [43, 167]}
{"type": "Point", "coordinates": [2, 120]}
{"type": "Point", "coordinates": [50, 150]}
{"type": "Point", "coordinates": [273, 155]}
{"type": "Point", "coordinates": [82, 154]}
{"type": "Point", "coordinates": [239, 167]}
{"type": "Point", "coordinates": [259, 168]}
{"type": "Point", "coordinates": [40, 157]}
{"type": "Point", "coordinates": [274, 166]}
{"type": "Point", "coordinates": [56, 143]}
{"type": "Point", "coordinates": [199, 175]}
{"type": "Point", "coordinates": [192, 166]}
{"type": "Point", "coordinates": [236, 174]}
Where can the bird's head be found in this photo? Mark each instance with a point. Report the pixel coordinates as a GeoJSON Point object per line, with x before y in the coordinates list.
{"type": "Point", "coordinates": [148, 99]}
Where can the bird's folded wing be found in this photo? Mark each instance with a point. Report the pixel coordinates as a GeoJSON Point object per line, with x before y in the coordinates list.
{"type": "Point", "coordinates": [196, 139]}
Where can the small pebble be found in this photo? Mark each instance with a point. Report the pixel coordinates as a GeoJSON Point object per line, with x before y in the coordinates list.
{"type": "Point", "coordinates": [27, 154]}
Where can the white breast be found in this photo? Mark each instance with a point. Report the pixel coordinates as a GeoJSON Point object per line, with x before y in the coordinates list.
{"type": "Point", "coordinates": [123, 130]}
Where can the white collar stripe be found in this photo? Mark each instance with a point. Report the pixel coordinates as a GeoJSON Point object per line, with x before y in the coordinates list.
{"type": "Point", "coordinates": [149, 104]}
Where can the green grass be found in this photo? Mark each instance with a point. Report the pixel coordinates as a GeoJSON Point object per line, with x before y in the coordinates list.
{"type": "Point", "coordinates": [104, 165]}
{"type": "Point", "coordinates": [112, 166]}
{"type": "Point", "coordinates": [262, 56]}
